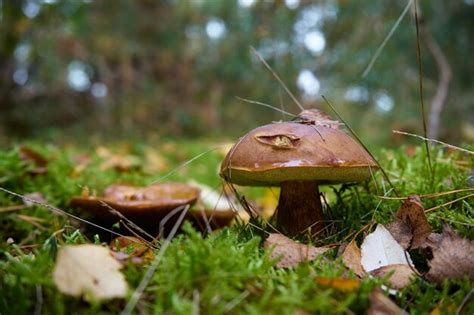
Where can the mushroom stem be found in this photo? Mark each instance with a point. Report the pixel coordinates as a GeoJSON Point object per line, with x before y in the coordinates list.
{"type": "Point", "coordinates": [299, 207]}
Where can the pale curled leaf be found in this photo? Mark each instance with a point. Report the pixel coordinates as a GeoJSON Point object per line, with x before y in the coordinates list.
{"type": "Point", "coordinates": [380, 249]}
{"type": "Point", "coordinates": [380, 304]}
{"type": "Point", "coordinates": [290, 252]}
{"type": "Point", "coordinates": [89, 271]}
{"type": "Point", "coordinates": [352, 258]}
{"type": "Point", "coordinates": [453, 257]}
{"type": "Point", "coordinates": [400, 275]}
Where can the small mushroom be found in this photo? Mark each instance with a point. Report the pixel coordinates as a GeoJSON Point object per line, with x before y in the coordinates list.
{"type": "Point", "coordinates": [298, 156]}
{"type": "Point", "coordinates": [144, 206]}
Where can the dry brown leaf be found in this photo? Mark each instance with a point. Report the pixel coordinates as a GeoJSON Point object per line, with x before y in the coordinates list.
{"type": "Point", "coordinates": [38, 161]}
{"type": "Point", "coordinates": [401, 232]}
{"type": "Point", "coordinates": [120, 162]}
{"type": "Point", "coordinates": [154, 162]}
{"type": "Point", "coordinates": [352, 258]}
{"type": "Point", "coordinates": [453, 257]}
{"type": "Point", "coordinates": [340, 284]}
{"type": "Point", "coordinates": [401, 275]}
{"type": "Point", "coordinates": [380, 304]}
{"type": "Point", "coordinates": [411, 219]}
{"type": "Point", "coordinates": [80, 161]}
{"type": "Point", "coordinates": [129, 248]}
{"type": "Point", "coordinates": [290, 252]}
{"type": "Point", "coordinates": [90, 271]}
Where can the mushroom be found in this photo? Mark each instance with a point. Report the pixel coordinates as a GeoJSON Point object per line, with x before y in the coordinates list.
{"type": "Point", "coordinates": [298, 156]}
{"type": "Point", "coordinates": [144, 206]}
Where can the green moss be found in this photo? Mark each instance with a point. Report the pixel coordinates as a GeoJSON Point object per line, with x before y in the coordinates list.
{"type": "Point", "coordinates": [227, 271]}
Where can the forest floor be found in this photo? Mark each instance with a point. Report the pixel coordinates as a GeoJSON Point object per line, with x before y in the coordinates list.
{"type": "Point", "coordinates": [227, 271]}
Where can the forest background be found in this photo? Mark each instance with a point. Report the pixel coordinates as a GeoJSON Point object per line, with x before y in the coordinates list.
{"type": "Point", "coordinates": [149, 68]}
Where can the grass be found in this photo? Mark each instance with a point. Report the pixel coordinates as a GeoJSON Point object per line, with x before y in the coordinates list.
{"type": "Point", "coordinates": [226, 272]}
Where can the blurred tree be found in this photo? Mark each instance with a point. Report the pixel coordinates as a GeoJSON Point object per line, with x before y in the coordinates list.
{"type": "Point", "coordinates": [175, 67]}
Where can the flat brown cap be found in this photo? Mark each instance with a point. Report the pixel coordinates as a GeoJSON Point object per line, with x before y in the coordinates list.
{"type": "Point", "coordinates": [144, 205]}
{"type": "Point", "coordinates": [289, 151]}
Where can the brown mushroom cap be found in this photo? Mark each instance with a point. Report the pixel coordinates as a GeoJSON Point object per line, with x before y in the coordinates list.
{"type": "Point", "coordinates": [142, 205]}
{"type": "Point", "coordinates": [289, 151]}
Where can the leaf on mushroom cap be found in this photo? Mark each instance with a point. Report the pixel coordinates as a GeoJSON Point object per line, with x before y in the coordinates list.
{"type": "Point", "coordinates": [287, 151]}
{"type": "Point", "coordinates": [290, 252]}
{"type": "Point", "coordinates": [453, 257]}
{"type": "Point", "coordinates": [316, 117]}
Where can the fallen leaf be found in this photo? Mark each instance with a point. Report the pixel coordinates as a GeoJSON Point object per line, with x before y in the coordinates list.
{"type": "Point", "coordinates": [411, 227]}
{"type": "Point", "coordinates": [352, 258]}
{"type": "Point", "coordinates": [131, 249]}
{"type": "Point", "coordinates": [90, 271]}
{"type": "Point", "coordinates": [379, 249]}
{"type": "Point", "coordinates": [340, 284]}
{"type": "Point", "coordinates": [80, 161]}
{"type": "Point", "coordinates": [290, 252]}
{"type": "Point", "coordinates": [380, 304]}
{"type": "Point", "coordinates": [154, 162]}
{"type": "Point", "coordinates": [401, 275]}
{"type": "Point", "coordinates": [34, 158]}
{"type": "Point", "coordinates": [120, 162]}
{"type": "Point", "coordinates": [453, 257]}
{"type": "Point", "coordinates": [401, 232]}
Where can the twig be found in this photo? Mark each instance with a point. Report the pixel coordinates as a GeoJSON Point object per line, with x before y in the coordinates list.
{"type": "Point", "coordinates": [265, 105]}
{"type": "Point", "coordinates": [13, 208]}
{"type": "Point", "coordinates": [434, 140]}
{"type": "Point", "coordinates": [420, 72]}
{"type": "Point", "coordinates": [432, 195]}
{"type": "Point", "coordinates": [130, 222]}
{"type": "Point", "coordinates": [464, 302]}
{"type": "Point", "coordinates": [445, 75]}
{"type": "Point", "coordinates": [185, 164]}
{"type": "Point", "coordinates": [151, 270]}
{"type": "Point", "coordinates": [362, 144]}
{"type": "Point", "coordinates": [277, 78]}
{"type": "Point", "coordinates": [39, 299]}
{"type": "Point", "coordinates": [387, 38]}
{"type": "Point", "coordinates": [58, 211]}
{"type": "Point", "coordinates": [448, 203]}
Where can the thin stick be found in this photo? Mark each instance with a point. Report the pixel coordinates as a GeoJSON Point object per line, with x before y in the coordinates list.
{"type": "Point", "coordinates": [432, 195]}
{"type": "Point", "coordinates": [185, 164]}
{"type": "Point", "coordinates": [420, 72]}
{"type": "Point", "coordinates": [127, 220]}
{"type": "Point", "coordinates": [277, 77]}
{"type": "Point", "coordinates": [434, 140]}
{"type": "Point", "coordinates": [265, 105]}
{"type": "Point", "coordinates": [151, 270]}
{"type": "Point", "coordinates": [448, 203]}
{"type": "Point", "coordinates": [13, 208]}
{"type": "Point", "coordinates": [385, 41]}
{"type": "Point", "coordinates": [362, 144]}
{"type": "Point", "coordinates": [58, 211]}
